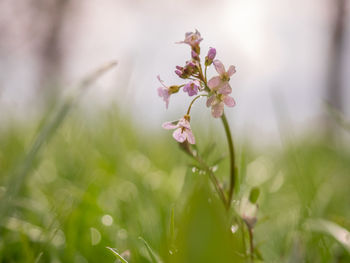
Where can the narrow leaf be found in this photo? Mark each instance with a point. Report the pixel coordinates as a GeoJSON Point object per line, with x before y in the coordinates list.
{"type": "Point", "coordinates": [118, 256]}
{"type": "Point", "coordinates": [150, 251]}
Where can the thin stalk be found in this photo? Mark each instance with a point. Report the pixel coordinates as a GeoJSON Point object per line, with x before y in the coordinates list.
{"type": "Point", "coordinates": [212, 176]}
{"type": "Point", "coordinates": [189, 108]}
{"type": "Point", "coordinates": [232, 159]}
{"type": "Point", "coordinates": [251, 244]}
{"type": "Point", "coordinates": [241, 226]}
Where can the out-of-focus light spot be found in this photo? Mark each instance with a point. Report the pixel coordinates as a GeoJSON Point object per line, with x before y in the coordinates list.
{"type": "Point", "coordinates": [259, 171]}
{"type": "Point", "coordinates": [234, 228]}
{"type": "Point", "coordinates": [59, 239]}
{"type": "Point", "coordinates": [139, 162]}
{"type": "Point", "coordinates": [127, 191]}
{"type": "Point", "coordinates": [107, 220]}
{"type": "Point", "coordinates": [95, 236]}
{"type": "Point", "coordinates": [122, 234]}
{"type": "Point", "coordinates": [277, 182]}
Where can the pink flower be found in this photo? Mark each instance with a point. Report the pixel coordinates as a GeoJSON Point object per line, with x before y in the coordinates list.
{"type": "Point", "coordinates": [217, 103]}
{"type": "Point", "coordinates": [183, 130]}
{"type": "Point", "coordinates": [192, 38]}
{"type": "Point", "coordinates": [192, 88]}
{"type": "Point", "coordinates": [220, 83]}
{"type": "Point", "coordinates": [165, 92]}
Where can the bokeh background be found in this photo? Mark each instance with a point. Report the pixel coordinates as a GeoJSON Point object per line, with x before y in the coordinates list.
{"type": "Point", "coordinates": [107, 173]}
{"type": "Point", "coordinates": [288, 51]}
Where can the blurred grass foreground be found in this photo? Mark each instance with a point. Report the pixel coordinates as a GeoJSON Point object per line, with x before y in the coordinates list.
{"type": "Point", "coordinates": [71, 187]}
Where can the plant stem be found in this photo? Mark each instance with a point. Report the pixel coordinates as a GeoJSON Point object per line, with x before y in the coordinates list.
{"type": "Point", "coordinates": [212, 176]}
{"type": "Point", "coordinates": [189, 108]}
{"type": "Point", "coordinates": [251, 244]}
{"type": "Point", "coordinates": [232, 160]}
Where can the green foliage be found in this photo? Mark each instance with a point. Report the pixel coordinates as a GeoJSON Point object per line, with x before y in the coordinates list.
{"type": "Point", "coordinates": [103, 183]}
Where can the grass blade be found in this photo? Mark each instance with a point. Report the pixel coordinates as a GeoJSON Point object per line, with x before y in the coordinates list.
{"type": "Point", "coordinates": [118, 256]}
{"type": "Point", "coordinates": [150, 251]}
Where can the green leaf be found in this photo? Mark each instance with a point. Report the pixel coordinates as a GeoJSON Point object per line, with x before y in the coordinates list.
{"type": "Point", "coordinates": [254, 195]}
{"type": "Point", "coordinates": [118, 256]}
{"type": "Point", "coordinates": [150, 251]}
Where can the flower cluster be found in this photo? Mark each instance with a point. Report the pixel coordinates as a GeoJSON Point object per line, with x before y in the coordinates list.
{"type": "Point", "coordinates": [217, 89]}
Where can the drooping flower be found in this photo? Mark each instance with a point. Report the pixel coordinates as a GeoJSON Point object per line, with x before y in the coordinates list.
{"type": "Point", "coordinates": [192, 88]}
{"type": "Point", "coordinates": [221, 83]}
{"type": "Point", "coordinates": [217, 103]}
{"type": "Point", "coordinates": [183, 130]}
{"type": "Point", "coordinates": [193, 39]}
{"type": "Point", "coordinates": [165, 91]}
{"type": "Point", "coordinates": [210, 56]}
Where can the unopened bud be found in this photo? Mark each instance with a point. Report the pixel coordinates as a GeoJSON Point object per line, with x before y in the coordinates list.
{"type": "Point", "coordinates": [174, 89]}
{"type": "Point", "coordinates": [194, 55]}
{"type": "Point", "coordinates": [210, 57]}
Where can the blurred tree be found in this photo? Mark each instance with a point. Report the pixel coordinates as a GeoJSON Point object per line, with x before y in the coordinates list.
{"type": "Point", "coordinates": [336, 51]}
{"type": "Point", "coordinates": [51, 52]}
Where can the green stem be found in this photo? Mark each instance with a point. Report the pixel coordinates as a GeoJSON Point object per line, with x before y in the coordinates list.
{"type": "Point", "coordinates": [251, 244]}
{"type": "Point", "coordinates": [189, 108]}
{"type": "Point", "coordinates": [186, 147]}
{"type": "Point", "coordinates": [232, 160]}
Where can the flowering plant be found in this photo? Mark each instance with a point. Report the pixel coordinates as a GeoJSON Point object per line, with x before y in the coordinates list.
{"type": "Point", "coordinates": [217, 90]}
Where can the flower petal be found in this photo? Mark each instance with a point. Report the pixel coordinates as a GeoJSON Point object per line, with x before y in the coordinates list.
{"type": "Point", "coordinates": [217, 110]}
{"type": "Point", "coordinates": [160, 92]}
{"type": "Point", "coordinates": [214, 82]}
{"type": "Point", "coordinates": [229, 101]}
{"type": "Point", "coordinates": [161, 81]}
{"type": "Point", "coordinates": [184, 123]}
{"type": "Point", "coordinates": [179, 135]}
{"type": "Point", "coordinates": [225, 88]}
{"type": "Point", "coordinates": [231, 70]}
{"type": "Point", "coordinates": [189, 136]}
{"type": "Point", "coordinates": [220, 68]}
{"type": "Point", "coordinates": [170, 125]}
{"type": "Point", "coordinates": [210, 100]}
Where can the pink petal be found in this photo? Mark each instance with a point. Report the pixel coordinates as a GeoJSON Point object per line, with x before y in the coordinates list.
{"type": "Point", "coordinates": [184, 123]}
{"type": "Point", "coordinates": [214, 82]}
{"type": "Point", "coordinates": [161, 81]}
{"type": "Point", "coordinates": [160, 92]}
{"type": "Point", "coordinates": [231, 71]}
{"type": "Point", "coordinates": [179, 135]}
{"type": "Point", "coordinates": [220, 68]}
{"type": "Point", "coordinates": [217, 110]}
{"type": "Point", "coordinates": [210, 100]}
{"type": "Point", "coordinates": [229, 101]}
{"type": "Point", "coordinates": [170, 125]}
{"type": "Point", "coordinates": [225, 88]}
{"type": "Point", "coordinates": [189, 136]}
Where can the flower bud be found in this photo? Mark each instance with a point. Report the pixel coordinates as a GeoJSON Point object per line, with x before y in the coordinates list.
{"type": "Point", "coordinates": [174, 89]}
{"type": "Point", "coordinates": [194, 55]}
{"type": "Point", "coordinates": [210, 57]}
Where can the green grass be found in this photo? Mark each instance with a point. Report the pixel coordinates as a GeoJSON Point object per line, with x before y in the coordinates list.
{"type": "Point", "coordinates": [92, 168]}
